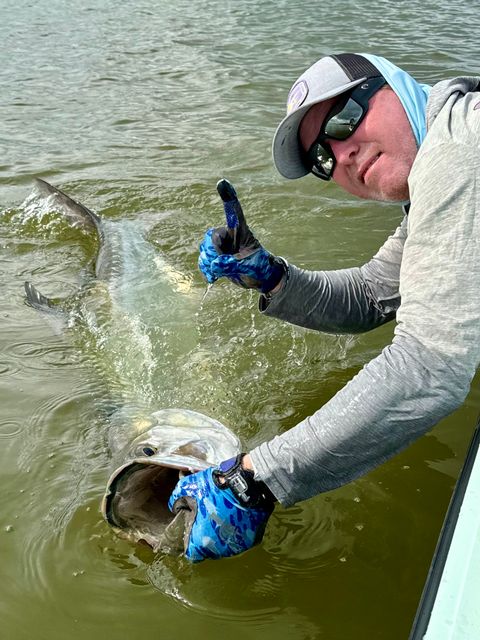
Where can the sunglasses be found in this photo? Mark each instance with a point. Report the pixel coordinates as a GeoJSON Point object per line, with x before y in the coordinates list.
{"type": "Point", "coordinates": [340, 123]}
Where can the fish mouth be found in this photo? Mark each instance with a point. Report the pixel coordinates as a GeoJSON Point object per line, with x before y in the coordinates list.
{"type": "Point", "coordinates": [136, 505]}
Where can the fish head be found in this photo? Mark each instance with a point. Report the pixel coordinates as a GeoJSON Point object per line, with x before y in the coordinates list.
{"type": "Point", "coordinates": [173, 443]}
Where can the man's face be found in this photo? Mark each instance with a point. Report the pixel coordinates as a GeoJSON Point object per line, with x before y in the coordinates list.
{"type": "Point", "coordinates": [375, 161]}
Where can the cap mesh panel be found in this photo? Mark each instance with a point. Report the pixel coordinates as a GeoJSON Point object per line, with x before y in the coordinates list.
{"type": "Point", "coordinates": [356, 66]}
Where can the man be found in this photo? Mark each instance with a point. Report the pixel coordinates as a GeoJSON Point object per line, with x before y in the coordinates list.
{"type": "Point", "coordinates": [369, 126]}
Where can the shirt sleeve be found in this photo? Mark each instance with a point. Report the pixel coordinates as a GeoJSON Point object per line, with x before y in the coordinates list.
{"type": "Point", "coordinates": [426, 372]}
{"type": "Point", "coordinates": [343, 301]}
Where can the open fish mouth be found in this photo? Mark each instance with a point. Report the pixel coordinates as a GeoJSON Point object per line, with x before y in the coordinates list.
{"type": "Point", "coordinates": [136, 505]}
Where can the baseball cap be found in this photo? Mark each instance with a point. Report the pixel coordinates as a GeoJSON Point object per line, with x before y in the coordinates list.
{"type": "Point", "coordinates": [328, 77]}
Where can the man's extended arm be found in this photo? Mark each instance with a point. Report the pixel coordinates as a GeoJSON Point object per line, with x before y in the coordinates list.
{"type": "Point", "coordinates": [426, 372]}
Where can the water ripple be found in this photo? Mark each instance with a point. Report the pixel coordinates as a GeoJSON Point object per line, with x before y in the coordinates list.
{"type": "Point", "coordinates": [8, 368]}
{"type": "Point", "coordinates": [59, 494]}
{"type": "Point", "coordinates": [53, 423]}
{"type": "Point", "coordinates": [40, 356]}
{"type": "Point", "coordinates": [10, 428]}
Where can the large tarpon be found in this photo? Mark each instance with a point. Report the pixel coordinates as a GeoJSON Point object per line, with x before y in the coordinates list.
{"type": "Point", "coordinates": [132, 295]}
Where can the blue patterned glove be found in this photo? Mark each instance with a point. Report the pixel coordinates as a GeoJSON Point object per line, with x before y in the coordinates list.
{"type": "Point", "coordinates": [220, 526]}
{"type": "Point", "coordinates": [234, 252]}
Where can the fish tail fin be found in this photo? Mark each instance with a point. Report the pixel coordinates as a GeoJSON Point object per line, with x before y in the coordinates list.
{"type": "Point", "coordinates": [77, 213]}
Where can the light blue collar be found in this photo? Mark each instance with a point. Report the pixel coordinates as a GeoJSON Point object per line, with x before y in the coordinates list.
{"type": "Point", "coordinates": [411, 93]}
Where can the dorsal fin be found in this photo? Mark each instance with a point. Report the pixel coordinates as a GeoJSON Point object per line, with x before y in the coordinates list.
{"type": "Point", "coordinates": [77, 213]}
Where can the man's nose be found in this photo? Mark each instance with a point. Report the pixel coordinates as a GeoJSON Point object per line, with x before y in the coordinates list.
{"type": "Point", "coordinates": [345, 151]}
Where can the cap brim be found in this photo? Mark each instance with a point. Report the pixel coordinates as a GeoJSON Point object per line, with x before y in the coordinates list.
{"type": "Point", "coordinates": [286, 146]}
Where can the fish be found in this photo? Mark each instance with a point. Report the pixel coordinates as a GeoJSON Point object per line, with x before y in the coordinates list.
{"type": "Point", "coordinates": [121, 305]}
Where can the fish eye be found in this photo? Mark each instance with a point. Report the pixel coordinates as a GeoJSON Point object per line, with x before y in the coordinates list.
{"type": "Point", "coordinates": [146, 450]}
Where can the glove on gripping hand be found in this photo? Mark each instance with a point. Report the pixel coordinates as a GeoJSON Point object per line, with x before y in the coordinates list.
{"type": "Point", "coordinates": [234, 252]}
{"type": "Point", "coordinates": [221, 526]}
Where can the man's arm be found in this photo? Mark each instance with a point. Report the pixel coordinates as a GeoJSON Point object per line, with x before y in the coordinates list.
{"type": "Point", "coordinates": [343, 301]}
{"type": "Point", "coordinates": [426, 372]}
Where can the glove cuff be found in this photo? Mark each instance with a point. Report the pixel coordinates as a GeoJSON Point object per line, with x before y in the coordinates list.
{"type": "Point", "coordinates": [249, 492]}
{"type": "Point", "coordinates": [278, 269]}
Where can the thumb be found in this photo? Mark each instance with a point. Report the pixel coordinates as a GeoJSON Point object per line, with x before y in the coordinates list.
{"type": "Point", "coordinates": [236, 224]}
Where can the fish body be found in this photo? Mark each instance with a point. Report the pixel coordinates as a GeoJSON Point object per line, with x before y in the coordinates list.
{"type": "Point", "coordinates": [133, 298]}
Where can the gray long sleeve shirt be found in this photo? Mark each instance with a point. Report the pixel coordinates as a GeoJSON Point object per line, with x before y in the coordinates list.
{"type": "Point", "coordinates": [428, 275]}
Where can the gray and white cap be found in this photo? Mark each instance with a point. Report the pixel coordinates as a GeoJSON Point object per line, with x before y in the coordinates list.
{"type": "Point", "coordinates": [328, 77]}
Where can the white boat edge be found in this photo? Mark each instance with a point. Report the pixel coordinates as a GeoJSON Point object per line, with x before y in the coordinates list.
{"type": "Point", "coordinates": [449, 608]}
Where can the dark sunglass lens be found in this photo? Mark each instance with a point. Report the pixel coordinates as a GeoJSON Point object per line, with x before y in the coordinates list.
{"type": "Point", "coordinates": [321, 160]}
{"type": "Point", "coordinates": [341, 125]}
{"type": "Point", "coordinates": [321, 174]}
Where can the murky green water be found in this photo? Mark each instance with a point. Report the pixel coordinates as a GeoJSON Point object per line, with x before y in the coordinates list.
{"type": "Point", "coordinates": [136, 109]}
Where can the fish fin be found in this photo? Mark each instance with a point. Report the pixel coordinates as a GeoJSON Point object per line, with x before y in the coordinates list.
{"type": "Point", "coordinates": [38, 301]}
{"type": "Point", "coordinates": [77, 213]}
{"type": "Point", "coordinates": [54, 313]}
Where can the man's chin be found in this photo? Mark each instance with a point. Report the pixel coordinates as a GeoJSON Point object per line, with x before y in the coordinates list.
{"type": "Point", "coordinates": [394, 193]}
{"type": "Point", "coordinates": [400, 198]}
{"type": "Point", "coordinates": [381, 188]}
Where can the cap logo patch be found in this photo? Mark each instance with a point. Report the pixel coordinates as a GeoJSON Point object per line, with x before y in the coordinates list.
{"type": "Point", "coordinates": [297, 96]}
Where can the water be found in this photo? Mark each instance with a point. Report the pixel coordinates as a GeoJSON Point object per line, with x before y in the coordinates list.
{"type": "Point", "coordinates": [137, 109]}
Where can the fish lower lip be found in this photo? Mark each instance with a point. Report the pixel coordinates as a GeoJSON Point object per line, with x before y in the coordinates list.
{"type": "Point", "coordinates": [369, 166]}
